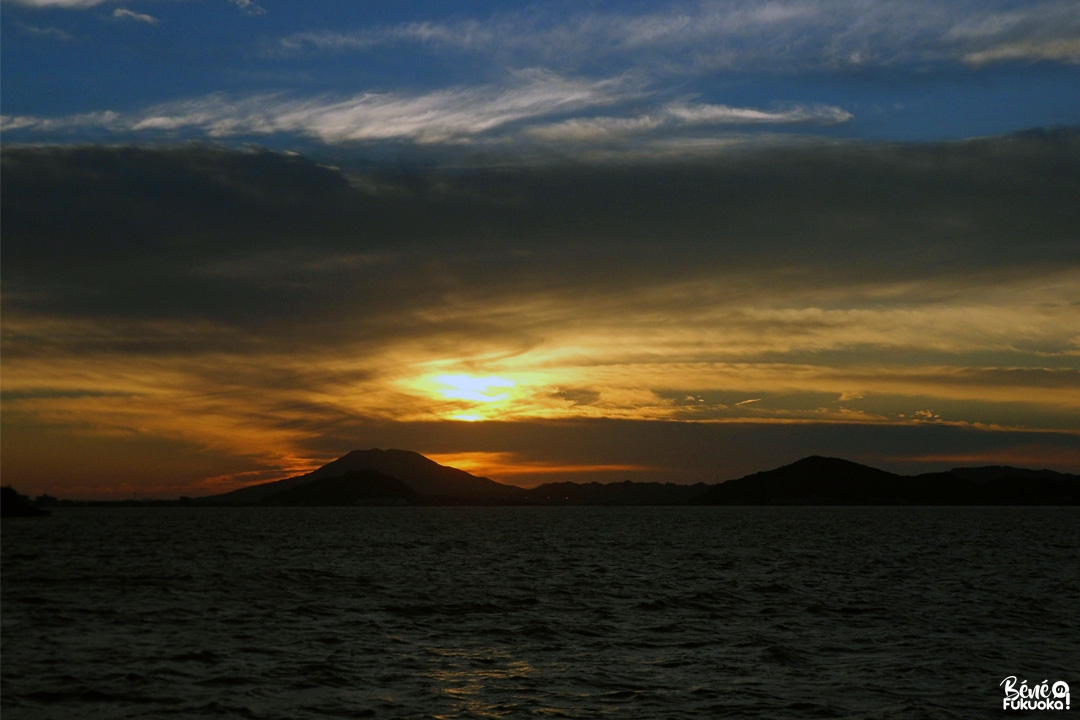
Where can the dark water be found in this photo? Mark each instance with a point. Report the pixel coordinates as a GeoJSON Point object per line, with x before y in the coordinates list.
{"type": "Point", "coordinates": [548, 612]}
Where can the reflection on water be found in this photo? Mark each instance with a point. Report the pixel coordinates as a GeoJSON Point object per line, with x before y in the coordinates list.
{"type": "Point", "coordinates": [468, 677]}
{"type": "Point", "coordinates": [553, 612]}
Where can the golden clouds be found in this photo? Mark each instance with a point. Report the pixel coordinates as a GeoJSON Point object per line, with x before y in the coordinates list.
{"type": "Point", "coordinates": [515, 469]}
{"type": "Point", "coordinates": [734, 292]}
{"type": "Point", "coordinates": [637, 356]}
{"type": "Point", "coordinates": [634, 356]}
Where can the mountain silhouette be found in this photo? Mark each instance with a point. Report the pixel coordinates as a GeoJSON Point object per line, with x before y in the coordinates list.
{"type": "Point", "coordinates": [404, 477]}
{"type": "Point", "coordinates": [356, 487]}
{"type": "Point", "coordinates": [425, 477]}
{"type": "Point", "coordinates": [831, 481]}
{"type": "Point", "coordinates": [12, 504]}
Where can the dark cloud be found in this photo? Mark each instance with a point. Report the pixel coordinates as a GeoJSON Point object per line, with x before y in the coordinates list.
{"type": "Point", "coordinates": [240, 237]}
{"type": "Point", "coordinates": [235, 300]}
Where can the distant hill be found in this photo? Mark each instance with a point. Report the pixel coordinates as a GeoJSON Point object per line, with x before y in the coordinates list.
{"type": "Point", "coordinates": [831, 481]}
{"type": "Point", "coordinates": [404, 477]}
{"type": "Point", "coordinates": [356, 487]}
{"type": "Point", "coordinates": [12, 504]}
{"type": "Point", "coordinates": [426, 478]}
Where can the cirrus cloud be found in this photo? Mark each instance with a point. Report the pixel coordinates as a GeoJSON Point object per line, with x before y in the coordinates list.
{"type": "Point", "coordinates": [533, 104]}
{"type": "Point", "coordinates": [781, 35]}
{"type": "Point", "coordinates": [124, 14]}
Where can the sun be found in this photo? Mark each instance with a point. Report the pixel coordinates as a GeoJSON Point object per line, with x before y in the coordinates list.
{"type": "Point", "coordinates": [474, 389]}
{"type": "Point", "coordinates": [471, 397]}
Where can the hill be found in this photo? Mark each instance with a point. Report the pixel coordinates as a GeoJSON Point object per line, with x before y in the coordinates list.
{"type": "Point", "coordinates": [357, 487]}
{"type": "Point", "coordinates": [831, 481]}
{"type": "Point", "coordinates": [12, 504]}
{"type": "Point", "coordinates": [425, 477]}
{"type": "Point", "coordinates": [404, 477]}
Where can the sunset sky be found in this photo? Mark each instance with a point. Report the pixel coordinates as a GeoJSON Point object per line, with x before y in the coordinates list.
{"type": "Point", "coordinates": [553, 241]}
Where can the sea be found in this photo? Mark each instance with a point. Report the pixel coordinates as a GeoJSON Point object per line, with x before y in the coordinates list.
{"type": "Point", "coordinates": [548, 612]}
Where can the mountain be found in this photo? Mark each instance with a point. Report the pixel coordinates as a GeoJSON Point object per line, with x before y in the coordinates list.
{"type": "Point", "coordinates": [426, 478]}
{"type": "Point", "coordinates": [404, 477]}
{"type": "Point", "coordinates": [356, 487]}
{"type": "Point", "coordinates": [812, 480]}
{"type": "Point", "coordinates": [831, 481]}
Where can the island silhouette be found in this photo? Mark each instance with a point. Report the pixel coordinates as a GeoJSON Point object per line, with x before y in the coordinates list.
{"type": "Point", "coordinates": [403, 477]}
{"type": "Point", "coordinates": [13, 505]}
{"type": "Point", "coordinates": [362, 477]}
{"type": "Point", "coordinates": [355, 487]}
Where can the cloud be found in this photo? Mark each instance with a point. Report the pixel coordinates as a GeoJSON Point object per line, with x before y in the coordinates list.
{"type": "Point", "coordinates": [107, 119]}
{"type": "Point", "coordinates": [700, 38]}
{"type": "Point", "coordinates": [1034, 455]}
{"type": "Point", "coordinates": [467, 34]}
{"type": "Point", "coordinates": [60, 3]}
{"type": "Point", "coordinates": [506, 466]}
{"type": "Point", "coordinates": [18, 122]}
{"type": "Point", "coordinates": [705, 114]}
{"type": "Point", "coordinates": [757, 213]}
{"type": "Point", "coordinates": [1061, 50]}
{"type": "Point", "coordinates": [531, 108]}
{"type": "Point", "coordinates": [123, 14]}
{"type": "Point", "coordinates": [676, 116]}
{"type": "Point", "coordinates": [240, 301]}
{"type": "Point", "coordinates": [438, 116]}
{"type": "Point", "coordinates": [595, 128]}
{"type": "Point", "coordinates": [733, 34]}
{"type": "Point", "coordinates": [51, 33]}
{"type": "Point", "coordinates": [249, 7]}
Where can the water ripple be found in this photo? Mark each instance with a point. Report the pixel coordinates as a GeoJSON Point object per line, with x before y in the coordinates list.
{"type": "Point", "coordinates": [548, 612]}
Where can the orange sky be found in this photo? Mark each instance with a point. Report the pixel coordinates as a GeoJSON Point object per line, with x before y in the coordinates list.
{"type": "Point", "coordinates": [157, 357]}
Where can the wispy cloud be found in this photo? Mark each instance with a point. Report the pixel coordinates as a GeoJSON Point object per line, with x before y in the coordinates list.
{"type": "Point", "coordinates": [50, 33]}
{"type": "Point", "coordinates": [731, 33]}
{"type": "Point", "coordinates": [676, 116]}
{"type": "Point", "coordinates": [106, 119]}
{"type": "Point", "coordinates": [703, 114]}
{"type": "Point", "coordinates": [503, 465]}
{"type": "Point", "coordinates": [18, 122]}
{"type": "Point", "coordinates": [124, 14]}
{"type": "Point", "coordinates": [1060, 50]}
{"type": "Point", "coordinates": [596, 128]}
{"type": "Point", "coordinates": [471, 34]}
{"type": "Point", "coordinates": [60, 3]}
{"type": "Point", "coordinates": [249, 7]}
{"type": "Point", "coordinates": [532, 105]}
{"type": "Point", "coordinates": [439, 116]}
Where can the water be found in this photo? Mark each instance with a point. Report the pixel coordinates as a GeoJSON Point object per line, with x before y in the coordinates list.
{"type": "Point", "coordinates": [546, 612]}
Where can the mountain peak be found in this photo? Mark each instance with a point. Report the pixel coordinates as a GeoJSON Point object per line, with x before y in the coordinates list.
{"type": "Point", "coordinates": [812, 461]}
{"type": "Point", "coordinates": [818, 466]}
{"type": "Point", "coordinates": [422, 475]}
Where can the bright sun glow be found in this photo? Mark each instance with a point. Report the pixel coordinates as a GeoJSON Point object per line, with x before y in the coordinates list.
{"type": "Point", "coordinates": [475, 389]}
{"type": "Point", "coordinates": [478, 397]}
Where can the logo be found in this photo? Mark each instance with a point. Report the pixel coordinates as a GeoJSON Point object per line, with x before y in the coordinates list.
{"type": "Point", "coordinates": [1042, 696]}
